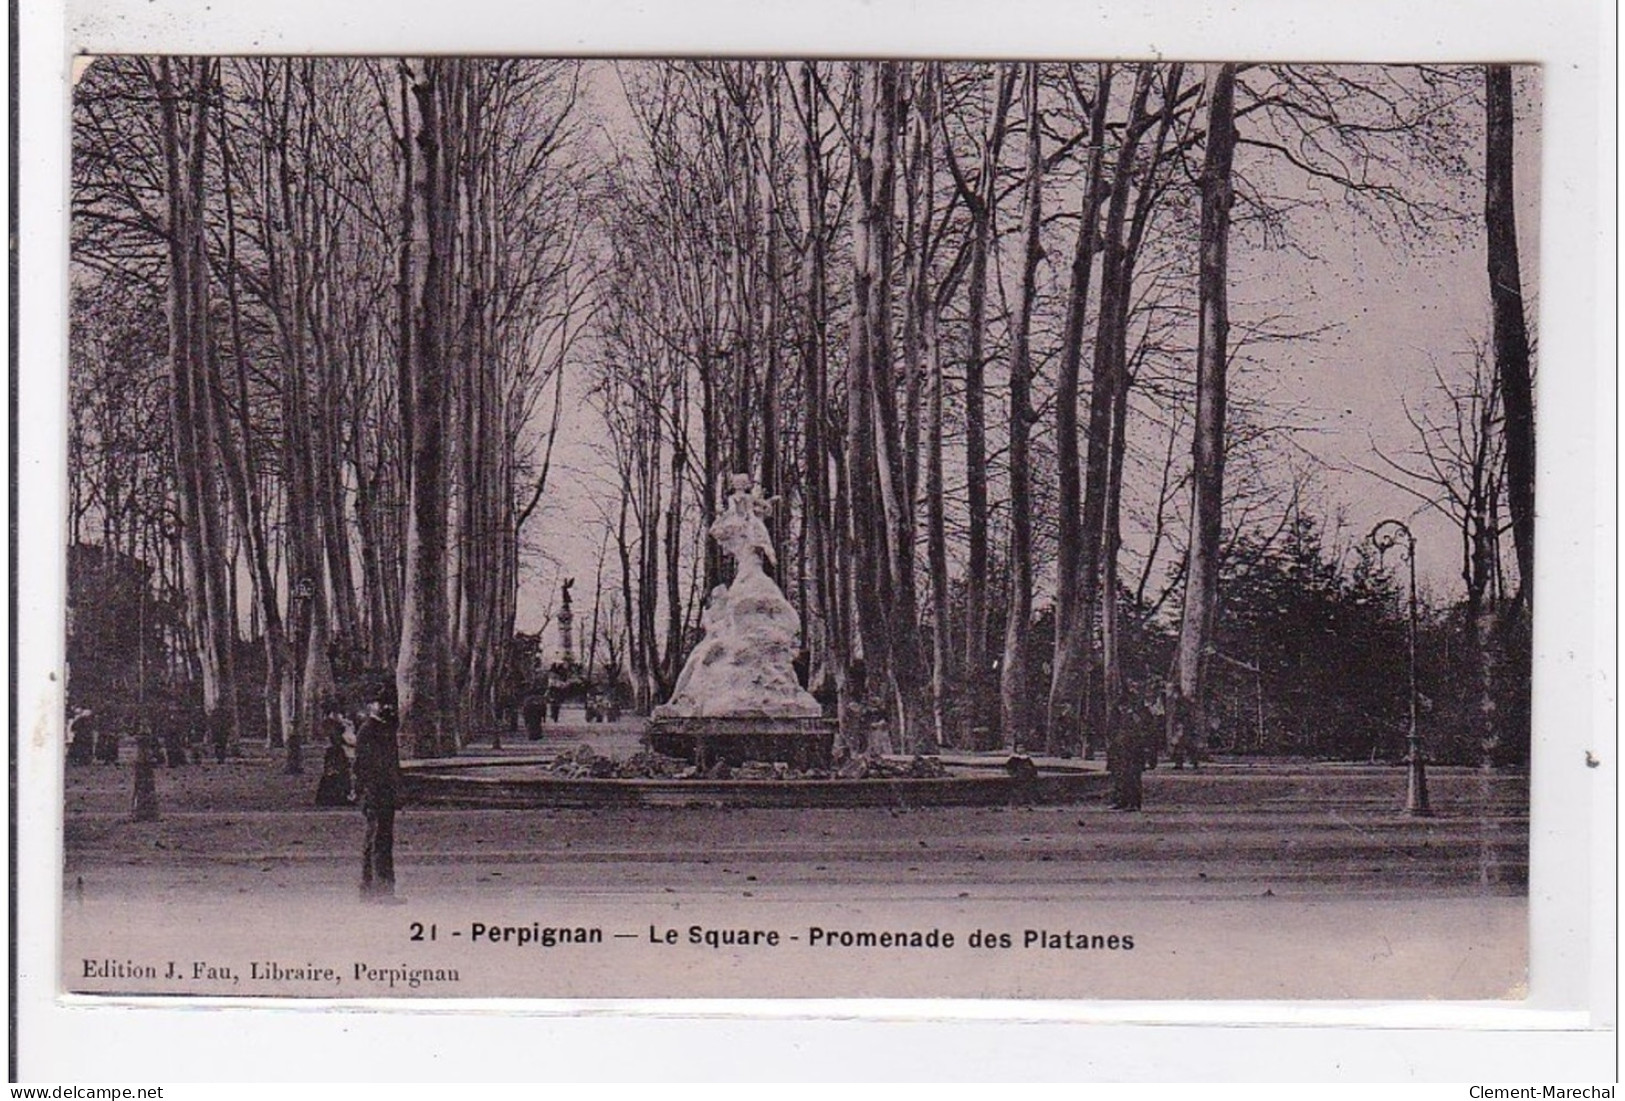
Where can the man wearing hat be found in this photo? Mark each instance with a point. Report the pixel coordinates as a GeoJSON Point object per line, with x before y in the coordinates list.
{"type": "Point", "coordinates": [377, 778]}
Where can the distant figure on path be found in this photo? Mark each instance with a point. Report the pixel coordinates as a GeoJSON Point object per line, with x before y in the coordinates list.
{"type": "Point", "coordinates": [82, 737]}
{"type": "Point", "coordinates": [556, 680]}
{"type": "Point", "coordinates": [337, 785]}
{"type": "Point", "coordinates": [378, 777]}
{"type": "Point", "coordinates": [534, 711]}
{"type": "Point", "coordinates": [107, 740]}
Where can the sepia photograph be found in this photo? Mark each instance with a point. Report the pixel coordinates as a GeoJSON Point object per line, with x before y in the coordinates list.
{"type": "Point", "coordinates": [580, 527]}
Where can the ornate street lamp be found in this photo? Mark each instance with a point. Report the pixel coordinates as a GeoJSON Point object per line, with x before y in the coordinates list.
{"type": "Point", "coordinates": [1385, 535]}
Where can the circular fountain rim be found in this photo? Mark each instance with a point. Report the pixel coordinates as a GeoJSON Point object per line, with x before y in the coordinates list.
{"type": "Point", "coordinates": [508, 782]}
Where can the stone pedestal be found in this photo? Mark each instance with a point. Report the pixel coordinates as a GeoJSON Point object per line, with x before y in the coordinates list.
{"type": "Point", "coordinates": [800, 743]}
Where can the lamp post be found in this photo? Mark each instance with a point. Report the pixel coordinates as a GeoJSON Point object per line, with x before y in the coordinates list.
{"type": "Point", "coordinates": [1385, 535]}
{"type": "Point", "coordinates": [144, 794]}
{"type": "Point", "coordinates": [304, 592]}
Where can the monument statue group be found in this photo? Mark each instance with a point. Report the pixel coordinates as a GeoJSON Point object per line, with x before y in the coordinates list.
{"type": "Point", "coordinates": [738, 694]}
{"type": "Point", "coordinates": [744, 666]}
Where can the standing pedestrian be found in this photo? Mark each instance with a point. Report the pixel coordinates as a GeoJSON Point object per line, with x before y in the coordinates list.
{"type": "Point", "coordinates": [82, 736]}
{"type": "Point", "coordinates": [336, 788]}
{"type": "Point", "coordinates": [378, 776]}
{"type": "Point", "coordinates": [534, 710]}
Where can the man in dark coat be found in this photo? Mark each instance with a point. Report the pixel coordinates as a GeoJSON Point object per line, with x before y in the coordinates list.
{"type": "Point", "coordinates": [82, 734]}
{"type": "Point", "coordinates": [1127, 755]}
{"type": "Point", "coordinates": [534, 710]}
{"type": "Point", "coordinates": [377, 778]}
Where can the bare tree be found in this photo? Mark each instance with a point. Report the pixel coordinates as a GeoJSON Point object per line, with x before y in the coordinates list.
{"type": "Point", "coordinates": [1186, 717]}
{"type": "Point", "coordinates": [1013, 678]}
{"type": "Point", "coordinates": [1511, 341]}
{"type": "Point", "coordinates": [184, 89]}
{"type": "Point", "coordinates": [1072, 615]}
{"type": "Point", "coordinates": [421, 672]}
{"type": "Point", "coordinates": [980, 196]}
{"type": "Point", "coordinates": [886, 601]}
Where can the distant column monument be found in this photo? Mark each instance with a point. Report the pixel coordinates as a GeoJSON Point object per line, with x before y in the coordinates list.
{"type": "Point", "coordinates": [567, 618]}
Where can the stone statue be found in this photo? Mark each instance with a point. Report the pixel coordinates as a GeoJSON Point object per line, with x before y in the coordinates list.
{"type": "Point", "coordinates": [744, 667]}
{"type": "Point", "coordinates": [741, 531]}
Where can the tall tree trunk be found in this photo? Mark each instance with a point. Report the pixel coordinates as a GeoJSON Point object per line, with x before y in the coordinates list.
{"type": "Point", "coordinates": [1063, 721]}
{"type": "Point", "coordinates": [1481, 533]}
{"type": "Point", "coordinates": [981, 199]}
{"type": "Point", "coordinates": [643, 695]}
{"type": "Point", "coordinates": [937, 537]}
{"type": "Point", "coordinates": [1187, 702]}
{"type": "Point", "coordinates": [712, 422]}
{"type": "Point", "coordinates": [917, 224]}
{"type": "Point", "coordinates": [770, 294]}
{"type": "Point", "coordinates": [370, 525]}
{"type": "Point", "coordinates": [1514, 378]}
{"type": "Point", "coordinates": [821, 502]}
{"type": "Point", "coordinates": [1108, 700]}
{"type": "Point", "coordinates": [887, 606]}
{"type": "Point", "coordinates": [1116, 285]}
{"type": "Point", "coordinates": [421, 667]}
{"type": "Point", "coordinates": [1111, 668]}
{"type": "Point", "coordinates": [922, 364]}
{"type": "Point", "coordinates": [406, 323]}
{"type": "Point", "coordinates": [292, 236]}
{"type": "Point", "coordinates": [481, 440]}
{"type": "Point", "coordinates": [328, 467]}
{"type": "Point", "coordinates": [871, 225]}
{"type": "Point", "coordinates": [1014, 703]}
{"type": "Point", "coordinates": [672, 666]}
{"type": "Point", "coordinates": [942, 657]}
{"type": "Point", "coordinates": [191, 404]}
{"type": "Point", "coordinates": [1511, 337]}
{"type": "Point", "coordinates": [243, 474]}
{"type": "Point", "coordinates": [651, 444]}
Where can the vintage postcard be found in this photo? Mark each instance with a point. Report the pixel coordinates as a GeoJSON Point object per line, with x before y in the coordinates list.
{"type": "Point", "coordinates": [774, 526]}
{"type": "Point", "coordinates": [799, 528]}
